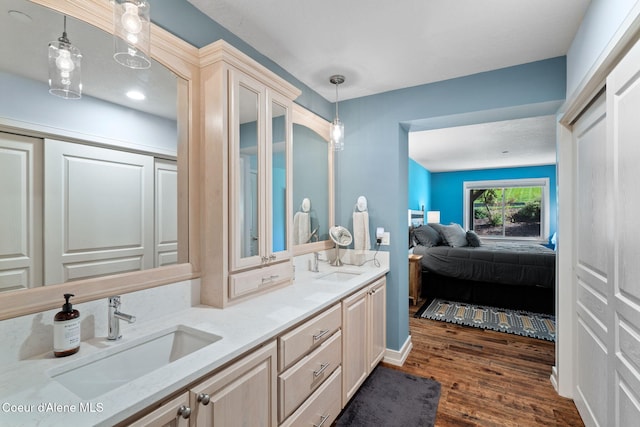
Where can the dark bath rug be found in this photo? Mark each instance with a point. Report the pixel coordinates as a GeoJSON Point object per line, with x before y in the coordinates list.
{"type": "Point", "coordinates": [392, 398]}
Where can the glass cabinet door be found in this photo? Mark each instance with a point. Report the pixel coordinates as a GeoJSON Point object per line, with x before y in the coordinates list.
{"type": "Point", "coordinates": [260, 165]}
{"type": "Point", "coordinates": [279, 142]}
{"type": "Point", "coordinates": [246, 131]}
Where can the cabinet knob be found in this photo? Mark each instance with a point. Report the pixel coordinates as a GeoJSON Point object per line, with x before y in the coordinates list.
{"type": "Point", "coordinates": [184, 412]}
{"type": "Point", "coordinates": [204, 398]}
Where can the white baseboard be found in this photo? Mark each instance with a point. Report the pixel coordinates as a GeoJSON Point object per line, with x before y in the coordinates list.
{"type": "Point", "coordinates": [554, 378]}
{"type": "Point", "coordinates": [397, 357]}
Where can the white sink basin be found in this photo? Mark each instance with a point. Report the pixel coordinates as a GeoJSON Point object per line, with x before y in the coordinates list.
{"type": "Point", "coordinates": [339, 276]}
{"type": "Point", "coordinates": [92, 377]}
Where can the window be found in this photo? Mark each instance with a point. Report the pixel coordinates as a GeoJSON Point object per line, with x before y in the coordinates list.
{"type": "Point", "coordinates": [507, 209]}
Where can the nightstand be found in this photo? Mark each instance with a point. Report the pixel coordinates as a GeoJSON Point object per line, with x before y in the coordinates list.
{"type": "Point", "coordinates": [415, 277]}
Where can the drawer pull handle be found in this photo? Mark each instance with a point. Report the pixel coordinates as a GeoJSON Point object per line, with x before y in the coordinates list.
{"type": "Point", "coordinates": [204, 399]}
{"type": "Point", "coordinates": [272, 257]}
{"type": "Point", "coordinates": [321, 370]}
{"type": "Point", "coordinates": [322, 420]}
{"type": "Point", "coordinates": [320, 334]}
{"type": "Point", "coordinates": [270, 278]}
{"type": "Point", "coordinates": [184, 412]}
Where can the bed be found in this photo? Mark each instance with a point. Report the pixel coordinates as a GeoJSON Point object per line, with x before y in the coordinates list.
{"type": "Point", "coordinates": [456, 265]}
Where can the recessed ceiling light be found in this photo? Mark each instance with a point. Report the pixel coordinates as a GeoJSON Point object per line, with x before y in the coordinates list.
{"type": "Point", "coordinates": [136, 95]}
{"type": "Point", "coordinates": [20, 16]}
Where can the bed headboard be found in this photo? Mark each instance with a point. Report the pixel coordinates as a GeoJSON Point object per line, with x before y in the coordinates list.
{"type": "Point", "coordinates": [416, 218]}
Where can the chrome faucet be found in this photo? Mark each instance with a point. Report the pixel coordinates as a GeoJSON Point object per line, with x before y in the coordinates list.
{"type": "Point", "coordinates": [114, 318]}
{"type": "Point", "coordinates": [314, 266]}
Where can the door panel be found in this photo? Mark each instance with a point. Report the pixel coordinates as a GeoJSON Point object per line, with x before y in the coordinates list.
{"type": "Point", "coordinates": [593, 196]}
{"type": "Point", "coordinates": [98, 205]}
{"type": "Point", "coordinates": [623, 104]}
{"type": "Point", "coordinates": [20, 212]}
{"type": "Point", "coordinates": [166, 221]}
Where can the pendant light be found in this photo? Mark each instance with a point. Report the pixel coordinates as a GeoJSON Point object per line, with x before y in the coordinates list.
{"type": "Point", "coordinates": [337, 127]}
{"type": "Point", "coordinates": [65, 78]}
{"type": "Point", "coordinates": [132, 33]}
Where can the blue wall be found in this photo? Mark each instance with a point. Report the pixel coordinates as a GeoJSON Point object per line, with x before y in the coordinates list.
{"type": "Point", "coordinates": [447, 189]}
{"type": "Point", "coordinates": [419, 184]}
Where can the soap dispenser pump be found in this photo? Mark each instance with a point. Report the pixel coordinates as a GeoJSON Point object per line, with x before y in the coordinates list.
{"type": "Point", "coordinates": [66, 330]}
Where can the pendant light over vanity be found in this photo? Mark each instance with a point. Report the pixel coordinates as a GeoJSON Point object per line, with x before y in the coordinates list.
{"type": "Point", "coordinates": [132, 33]}
{"type": "Point", "coordinates": [337, 127]}
{"type": "Point", "coordinates": [65, 77]}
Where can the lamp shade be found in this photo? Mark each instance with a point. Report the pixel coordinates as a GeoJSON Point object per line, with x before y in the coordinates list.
{"type": "Point", "coordinates": [337, 135]}
{"type": "Point", "coordinates": [433, 217]}
{"type": "Point", "coordinates": [132, 33]}
{"type": "Point", "coordinates": [65, 77]}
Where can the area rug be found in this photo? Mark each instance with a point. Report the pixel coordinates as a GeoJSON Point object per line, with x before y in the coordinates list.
{"type": "Point", "coordinates": [535, 325]}
{"type": "Point", "coordinates": [392, 398]}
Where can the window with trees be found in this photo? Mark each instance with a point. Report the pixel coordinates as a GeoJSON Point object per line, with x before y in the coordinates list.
{"type": "Point", "coordinates": [508, 209]}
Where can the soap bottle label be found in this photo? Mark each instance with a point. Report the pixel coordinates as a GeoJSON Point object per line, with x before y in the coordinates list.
{"type": "Point", "coordinates": [66, 334]}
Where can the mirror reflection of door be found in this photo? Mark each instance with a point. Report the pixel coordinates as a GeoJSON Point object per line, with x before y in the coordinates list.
{"type": "Point", "coordinates": [249, 207]}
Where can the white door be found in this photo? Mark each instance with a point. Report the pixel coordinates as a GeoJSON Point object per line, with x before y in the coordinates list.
{"type": "Point", "coordinates": [607, 267]}
{"type": "Point", "coordinates": [99, 210]}
{"type": "Point", "coordinates": [623, 134]}
{"type": "Point", "coordinates": [20, 212]}
{"type": "Point", "coordinates": [166, 212]}
{"type": "Point", "coordinates": [593, 205]}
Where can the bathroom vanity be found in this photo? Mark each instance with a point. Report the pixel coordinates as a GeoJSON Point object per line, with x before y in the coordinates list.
{"type": "Point", "coordinates": [292, 350]}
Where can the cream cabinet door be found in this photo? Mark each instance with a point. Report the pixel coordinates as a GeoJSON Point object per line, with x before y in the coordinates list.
{"type": "Point", "coordinates": [99, 209]}
{"type": "Point", "coordinates": [377, 322]}
{"type": "Point", "coordinates": [20, 212]}
{"type": "Point", "coordinates": [244, 394]}
{"type": "Point", "coordinates": [354, 345]}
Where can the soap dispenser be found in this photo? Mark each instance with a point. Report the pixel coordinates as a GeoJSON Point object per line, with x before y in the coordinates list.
{"type": "Point", "coordinates": [66, 330]}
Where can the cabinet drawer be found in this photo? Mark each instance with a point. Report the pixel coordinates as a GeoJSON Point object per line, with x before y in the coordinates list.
{"type": "Point", "coordinates": [248, 282]}
{"type": "Point", "coordinates": [296, 343]}
{"type": "Point", "coordinates": [298, 382]}
{"type": "Point", "coordinates": [323, 407]}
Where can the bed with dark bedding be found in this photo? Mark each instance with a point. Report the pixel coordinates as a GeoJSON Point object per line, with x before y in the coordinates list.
{"type": "Point", "coordinates": [457, 266]}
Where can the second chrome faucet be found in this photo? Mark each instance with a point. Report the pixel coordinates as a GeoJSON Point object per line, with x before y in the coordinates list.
{"type": "Point", "coordinates": [114, 318]}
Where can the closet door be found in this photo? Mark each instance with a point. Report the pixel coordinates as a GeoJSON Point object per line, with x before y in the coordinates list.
{"type": "Point", "coordinates": [623, 127]}
{"type": "Point", "coordinates": [593, 275]}
{"type": "Point", "coordinates": [99, 210]}
{"type": "Point", "coordinates": [20, 212]}
{"type": "Point", "coordinates": [166, 213]}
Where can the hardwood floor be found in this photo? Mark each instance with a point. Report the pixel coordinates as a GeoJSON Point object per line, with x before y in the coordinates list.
{"type": "Point", "coordinates": [488, 378]}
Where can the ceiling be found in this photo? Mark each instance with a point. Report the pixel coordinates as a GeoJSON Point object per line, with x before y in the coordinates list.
{"type": "Point", "coordinates": [384, 45]}
{"type": "Point", "coordinates": [381, 46]}
{"type": "Point", "coordinates": [511, 143]}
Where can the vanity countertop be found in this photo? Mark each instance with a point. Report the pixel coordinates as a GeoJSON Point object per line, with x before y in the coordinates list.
{"type": "Point", "coordinates": [29, 396]}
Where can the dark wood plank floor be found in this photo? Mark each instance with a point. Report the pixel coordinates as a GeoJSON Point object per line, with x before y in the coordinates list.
{"type": "Point", "coordinates": [488, 378]}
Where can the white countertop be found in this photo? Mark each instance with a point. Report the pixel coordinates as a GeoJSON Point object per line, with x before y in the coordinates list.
{"type": "Point", "coordinates": [30, 397]}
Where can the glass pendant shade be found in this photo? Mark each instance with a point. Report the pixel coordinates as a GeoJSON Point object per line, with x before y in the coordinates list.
{"type": "Point", "coordinates": [65, 77]}
{"type": "Point", "coordinates": [337, 135]}
{"type": "Point", "coordinates": [336, 131]}
{"type": "Point", "coordinates": [132, 33]}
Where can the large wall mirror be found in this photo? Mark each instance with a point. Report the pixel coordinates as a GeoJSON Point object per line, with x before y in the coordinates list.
{"type": "Point", "coordinates": [312, 191]}
{"type": "Point", "coordinates": [96, 194]}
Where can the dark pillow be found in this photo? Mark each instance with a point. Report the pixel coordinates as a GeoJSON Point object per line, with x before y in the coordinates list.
{"type": "Point", "coordinates": [453, 235]}
{"type": "Point", "coordinates": [473, 239]}
{"type": "Point", "coordinates": [427, 236]}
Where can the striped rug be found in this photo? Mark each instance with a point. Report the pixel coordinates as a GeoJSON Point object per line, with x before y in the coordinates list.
{"type": "Point", "coordinates": [536, 325]}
